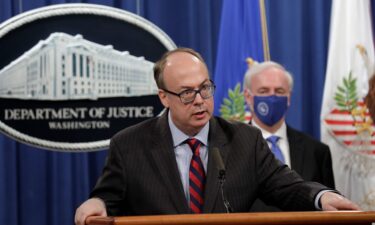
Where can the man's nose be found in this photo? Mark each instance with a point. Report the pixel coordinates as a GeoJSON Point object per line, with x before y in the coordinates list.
{"type": "Point", "coordinates": [198, 98]}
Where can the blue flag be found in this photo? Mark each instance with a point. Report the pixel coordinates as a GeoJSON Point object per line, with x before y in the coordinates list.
{"type": "Point", "coordinates": [240, 37]}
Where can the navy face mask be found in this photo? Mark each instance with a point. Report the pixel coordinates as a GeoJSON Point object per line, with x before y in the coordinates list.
{"type": "Point", "coordinates": [270, 109]}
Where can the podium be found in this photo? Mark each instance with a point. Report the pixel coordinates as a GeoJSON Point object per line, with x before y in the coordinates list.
{"type": "Point", "coordinates": [264, 218]}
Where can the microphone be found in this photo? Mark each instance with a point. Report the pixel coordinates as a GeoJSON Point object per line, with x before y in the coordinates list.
{"type": "Point", "coordinates": [221, 167]}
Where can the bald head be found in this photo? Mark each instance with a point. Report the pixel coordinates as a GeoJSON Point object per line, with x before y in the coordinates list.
{"type": "Point", "coordinates": [180, 73]}
{"type": "Point", "coordinates": [176, 57]}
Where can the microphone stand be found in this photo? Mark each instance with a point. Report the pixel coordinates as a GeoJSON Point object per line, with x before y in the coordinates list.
{"type": "Point", "coordinates": [227, 206]}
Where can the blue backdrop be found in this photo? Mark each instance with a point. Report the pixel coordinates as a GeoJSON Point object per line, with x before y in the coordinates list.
{"type": "Point", "coordinates": [39, 187]}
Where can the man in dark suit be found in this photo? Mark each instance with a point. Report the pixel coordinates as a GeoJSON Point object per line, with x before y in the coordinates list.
{"type": "Point", "coordinates": [165, 165]}
{"type": "Point", "coordinates": [267, 90]}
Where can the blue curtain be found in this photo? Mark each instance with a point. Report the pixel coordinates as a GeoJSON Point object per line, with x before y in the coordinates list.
{"type": "Point", "coordinates": [298, 39]}
{"type": "Point", "coordinates": [39, 187]}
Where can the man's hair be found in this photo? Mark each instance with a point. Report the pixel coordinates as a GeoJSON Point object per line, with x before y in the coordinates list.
{"type": "Point", "coordinates": [160, 64]}
{"type": "Point", "coordinates": [257, 68]}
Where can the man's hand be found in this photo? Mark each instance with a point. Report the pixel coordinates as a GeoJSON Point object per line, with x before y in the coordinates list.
{"type": "Point", "coordinates": [91, 207]}
{"type": "Point", "coordinates": [332, 202]}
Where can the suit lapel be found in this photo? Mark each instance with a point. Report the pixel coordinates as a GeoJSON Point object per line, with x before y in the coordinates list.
{"type": "Point", "coordinates": [296, 149]}
{"type": "Point", "coordinates": [165, 161]}
{"type": "Point", "coordinates": [217, 139]}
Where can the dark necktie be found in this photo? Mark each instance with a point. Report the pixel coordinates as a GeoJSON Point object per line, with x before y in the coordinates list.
{"type": "Point", "coordinates": [275, 147]}
{"type": "Point", "coordinates": [197, 177]}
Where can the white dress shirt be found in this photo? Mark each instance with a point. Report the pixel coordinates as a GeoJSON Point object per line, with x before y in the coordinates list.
{"type": "Point", "coordinates": [283, 142]}
{"type": "Point", "coordinates": [183, 152]}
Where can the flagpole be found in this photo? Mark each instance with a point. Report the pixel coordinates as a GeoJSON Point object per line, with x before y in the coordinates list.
{"type": "Point", "coordinates": [263, 19]}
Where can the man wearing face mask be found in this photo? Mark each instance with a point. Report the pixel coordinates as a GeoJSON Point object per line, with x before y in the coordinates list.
{"type": "Point", "coordinates": [267, 90]}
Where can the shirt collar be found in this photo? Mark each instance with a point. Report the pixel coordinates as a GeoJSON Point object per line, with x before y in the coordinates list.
{"type": "Point", "coordinates": [179, 137]}
{"type": "Point", "coordinates": [281, 132]}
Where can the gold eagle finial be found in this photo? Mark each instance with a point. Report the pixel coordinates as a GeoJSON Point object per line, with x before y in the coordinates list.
{"type": "Point", "coordinates": [250, 61]}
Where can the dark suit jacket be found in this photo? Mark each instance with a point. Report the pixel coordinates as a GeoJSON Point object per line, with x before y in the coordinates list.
{"type": "Point", "coordinates": [309, 158]}
{"type": "Point", "coordinates": [141, 177]}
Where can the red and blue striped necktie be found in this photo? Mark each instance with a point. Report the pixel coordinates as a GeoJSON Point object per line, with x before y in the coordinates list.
{"type": "Point", "coordinates": [197, 177]}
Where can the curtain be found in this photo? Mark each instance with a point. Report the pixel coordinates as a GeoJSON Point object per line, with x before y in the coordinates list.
{"type": "Point", "coordinates": [298, 40]}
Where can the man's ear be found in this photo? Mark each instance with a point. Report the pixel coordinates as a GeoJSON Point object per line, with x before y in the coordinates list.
{"type": "Point", "coordinates": [163, 98]}
{"type": "Point", "coordinates": [248, 98]}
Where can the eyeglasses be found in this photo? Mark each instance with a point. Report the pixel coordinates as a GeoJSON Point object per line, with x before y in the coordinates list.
{"type": "Point", "coordinates": [187, 96]}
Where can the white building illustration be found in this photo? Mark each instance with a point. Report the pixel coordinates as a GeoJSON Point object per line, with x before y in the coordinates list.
{"type": "Point", "coordinates": [70, 67]}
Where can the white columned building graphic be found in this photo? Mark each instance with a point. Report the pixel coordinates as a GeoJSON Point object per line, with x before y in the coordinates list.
{"type": "Point", "coordinates": [70, 67]}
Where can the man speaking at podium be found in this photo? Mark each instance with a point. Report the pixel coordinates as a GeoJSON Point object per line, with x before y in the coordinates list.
{"type": "Point", "coordinates": [166, 165]}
